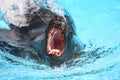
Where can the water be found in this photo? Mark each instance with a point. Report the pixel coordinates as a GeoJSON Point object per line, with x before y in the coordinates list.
{"type": "Point", "coordinates": [98, 26]}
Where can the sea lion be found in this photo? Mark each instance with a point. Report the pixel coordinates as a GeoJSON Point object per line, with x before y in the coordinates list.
{"type": "Point", "coordinates": [52, 37]}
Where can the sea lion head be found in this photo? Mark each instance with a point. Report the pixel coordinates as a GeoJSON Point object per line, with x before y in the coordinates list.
{"type": "Point", "coordinates": [57, 40]}
{"type": "Point", "coordinates": [56, 37]}
{"type": "Point", "coordinates": [61, 39]}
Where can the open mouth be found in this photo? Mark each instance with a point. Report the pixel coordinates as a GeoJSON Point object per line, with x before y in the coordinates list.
{"type": "Point", "coordinates": [55, 42]}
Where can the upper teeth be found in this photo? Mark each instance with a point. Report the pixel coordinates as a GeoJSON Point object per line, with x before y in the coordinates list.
{"type": "Point", "coordinates": [53, 35]}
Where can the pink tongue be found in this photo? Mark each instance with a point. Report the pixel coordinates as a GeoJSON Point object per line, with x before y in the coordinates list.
{"type": "Point", "coordinates": [57, 37]}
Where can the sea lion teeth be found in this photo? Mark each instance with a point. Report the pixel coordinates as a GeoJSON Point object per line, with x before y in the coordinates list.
{"type": "Point", "coordinates": [54, 52]}
{"type": "Point", "coordinates": [52, 36]}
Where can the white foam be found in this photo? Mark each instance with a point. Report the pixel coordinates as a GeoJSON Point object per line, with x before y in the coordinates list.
{"type": "Point", "coordinates": [15, 11]}
{"type": "Point", "coordinates": [54, 7]}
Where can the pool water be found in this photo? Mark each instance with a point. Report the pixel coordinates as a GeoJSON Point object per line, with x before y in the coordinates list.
{"type": "Point", "coordinates": [98, 26]}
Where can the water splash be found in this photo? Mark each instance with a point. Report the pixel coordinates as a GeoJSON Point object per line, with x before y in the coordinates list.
{"type": "Point", "coordinates": [3, 23]}
{"type": "Point", "coordinates": [15, 11]}
{"type": "Point", "coordinates": [19, 12]}
{"type": "Point", "coordinates": [52, 5]}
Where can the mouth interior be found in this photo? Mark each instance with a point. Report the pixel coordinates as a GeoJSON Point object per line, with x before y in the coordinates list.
{"type": "Point", "coordinates": [55, 42]}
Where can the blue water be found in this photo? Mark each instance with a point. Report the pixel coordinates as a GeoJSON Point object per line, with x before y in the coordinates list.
{"type": "Point", "coordinates": [98, 26]}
